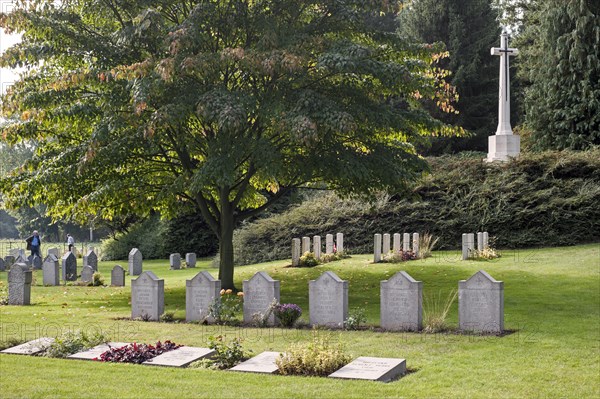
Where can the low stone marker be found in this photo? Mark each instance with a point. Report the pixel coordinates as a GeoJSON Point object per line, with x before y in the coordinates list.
{"type": "Point", "coordinates": [190, 260]}
{"type": "Point", "coordinates": [259, 293]}
{"type": "Point", "coordinates": [397, 247]}
{"type": "Point", "coordinates": [405, 242]}
{"type": "Point", "coordinates": [377, 248]}
{"type": "Point", "coordinates": [317, 246]}
{"type": "Point", "coordinates": [135, 262]}
{"type": "Point", "coordinates": [329, 244]}
{"type": "Point", "coordinates": [69, 267]}
{"type": "Point", "coordinates": [305, 245]}
{"type": "Point", "coordinates": [328, 300]}
{"type": "Point", "coordinates": [201, 292]}
{"type": "Point", "coordinates": [401, 303]}
{"type": "Point", "coordinates": [30, 348]}
{"type": "Point", "coordinates": [19, 285]}
{"type": "Point", "coordinates": [147, 296]}
{"type": "Point", "coordinates": [96, 351]}
{"type": "Point", "coordinates": [53, 251]}
{"type": "Point", "coordinates": [87, 274]}
{"type": "Point", "coordinates": [296, 251]}
{"type": "Point", "coordinates": [386, 244]}
{"type": "Point", "coordinates": [92, 260]}
{"type": "Point", "coordinates": [175, 261]}
{"type": "Point", "coordinates": [339, 241]}
{"type": "Point", "coordinates": [36, 262]}
{"type": "Point", "coordinates": [415, 247]}
{"type": "Point", "coordinates": [51, 270]}
{"type": "Point", "coordinates": [180, 357]}
{"type": "Point", "coordinates": [117, 276]}
{"type": "Point", "coordinates": [2, 265]}
{"type": "Point", "coordinates": [481, 304]}
{"type": "Point", "coordinates": [373, 369]}
{"type": "Point", "coordinates": [262, 363]}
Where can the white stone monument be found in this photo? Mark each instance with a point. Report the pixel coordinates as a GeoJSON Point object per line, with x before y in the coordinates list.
{"type": "Point", "coordinates": [504, 143]}
{"type": "Point", "coordinates": [328, 300]}
{"type": "Point", "coordinates": [296, 252]}
{"type": "Point", "coordinates": [317, 246]}
{"type": "Point", "coordinates": [200, 293]}
{"type": "Point", "coordinates": [259, 293]}
{"type": "Point", "coordinates": [377, 248]}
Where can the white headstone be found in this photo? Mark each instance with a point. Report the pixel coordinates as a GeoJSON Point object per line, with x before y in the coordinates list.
{"type": "Point", "coordinates": [259, 293]}
{"type": "Point", "coordinates": [317, 246]}
{"type": "Point", "coordinates": [50, 270]}
{"type": "Point", "coordinates": [465, 246]}
{"type": "Point", "coordinates": [377, 248]}
{"type": "Point", "coordinates": [147, 296]}
{"type": "Point", "coordinates": [503, 144]}
{"type": "Point", "coordinates": [305, 245]}
{"type": "Point", "coordinates": [386, 244]}
{"type": "Point", "coordinates": [416, 244]}
{"type": "Point", "coordinates": [190, 259]}
{"type": "Point", "coordinates": [175, 261]}
{"type": "Point", "coordinates": [339, 242]}
{"type": "Point", "coordinates": [329, 244]}
{"type": "Point", "coordinates": [406, 242]}
{"type": "Point", "coordinates": [401, 303]}
{"type": "Point", "coordinates": [117, 276]}
{"type": "Point", "coordinates": [296, 251]}
{"type": "Point", "coordinates": [486, 240]}
{"type": "Point", "coordinates": [481, 304]}
{"type": "Point", "coordinates": [373, 369]}
{"type": "Point", "coordinates": [471, 242]}
{"type": "Point", "coordinates": [479, 241]}
{"type": "Point", "coordinates": [19, 285]}
{"type": "Point", "coordinates": [69, 267]}
{"type": "Point", "coordinates": [135, 262]}
{"type": "Point", "coordinates": [201, 292]}
{"type": "Point", "coordinates": [328, 300]}
{"type": "Point", "coordinates": [397, 243]}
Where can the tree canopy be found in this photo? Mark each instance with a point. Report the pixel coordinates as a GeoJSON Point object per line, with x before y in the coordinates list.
{"type": "Point", "coordinates": [219, 106]}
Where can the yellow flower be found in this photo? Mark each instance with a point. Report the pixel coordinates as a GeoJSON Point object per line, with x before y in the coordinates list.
{"type": "Point", "coordinates": [222, 292]}
{"type": "Point", "coordinates": [229, 291]}
{"type": "Point", "coordinates": [240, 293]}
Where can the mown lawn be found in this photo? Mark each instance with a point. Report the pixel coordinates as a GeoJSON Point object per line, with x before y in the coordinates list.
{"type": "Point", "coordinates": [552, 308]}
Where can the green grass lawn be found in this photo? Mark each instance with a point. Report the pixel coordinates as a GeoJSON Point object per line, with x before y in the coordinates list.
{"type": "Point", "coordinates": [552, 305]}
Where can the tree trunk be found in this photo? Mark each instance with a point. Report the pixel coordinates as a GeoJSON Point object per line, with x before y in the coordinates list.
{"type": "Point", "coordinates": [226, 246]}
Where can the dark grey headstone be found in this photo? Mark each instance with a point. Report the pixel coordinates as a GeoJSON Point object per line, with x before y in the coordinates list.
{"type": "Point", "coordinates": [19, 285]}
{"type": "Point", "coordinates": [190, 259]}
{"type": "Point", "coordinates": [69, 267]}
{"type": "Point", "coordinates": [2, 265]}
{"type": "Point", "coordinates": [117, 276]}
{"type": "Point", "coordinates": [147, 296]}
{"type": "Point", "coordinates": [175, 261]}
{"type": "Point", "coordinates": [51, 270]}
{"type": "Point", "coordinates": [135, 262]}
{"type": "Point", "coordinates": [259, 293]}
{"type": "Point", "coordinates": [87, 274]}
{"type": "Point", "coordinates": [36, 262]}
{"type": "Point", "coordinates": [92, 260]}
{"type": "Point", "coordinates": [201, 292]}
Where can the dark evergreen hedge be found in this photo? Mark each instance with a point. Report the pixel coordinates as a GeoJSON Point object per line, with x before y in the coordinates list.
{"type": "Point", "coordinates": [543, 199]}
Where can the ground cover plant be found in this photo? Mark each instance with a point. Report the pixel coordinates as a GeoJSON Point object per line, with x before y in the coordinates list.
{"type": "Point", "coordinates": [551, 350]}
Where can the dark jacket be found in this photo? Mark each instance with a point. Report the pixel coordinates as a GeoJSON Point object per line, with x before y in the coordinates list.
{"type": "Point", "coordinates": [29, 239]}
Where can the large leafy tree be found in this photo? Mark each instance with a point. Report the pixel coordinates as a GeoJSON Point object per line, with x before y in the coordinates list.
{"type": "Point", "coordinates": [222, 105]}
{"type": "Point", "coordinates": [560, 67]}
{"type": "Point", "coordinates": [468, 29]}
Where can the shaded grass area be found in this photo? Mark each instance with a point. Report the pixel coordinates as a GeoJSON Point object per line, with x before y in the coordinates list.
{"type": "Point", "coordinates": [552, 303]}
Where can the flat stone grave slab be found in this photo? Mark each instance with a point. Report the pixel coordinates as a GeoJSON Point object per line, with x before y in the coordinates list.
{"type": "Point", "coordinates": [30, 348]}
{"type": "Point", "coordinates": [180, 357]}
{"type": "Point", "coordinates": [96, 351]}
{"type": "Point", "coordinates": [262, 363]}
{"type": "Point", "coordinates": [382, 369]}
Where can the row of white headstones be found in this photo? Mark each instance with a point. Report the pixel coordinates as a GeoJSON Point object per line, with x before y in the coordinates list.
{"type": "Point", "coordinates": [300, 247]}
{"type": "Point", "coordinates": [381, 245]}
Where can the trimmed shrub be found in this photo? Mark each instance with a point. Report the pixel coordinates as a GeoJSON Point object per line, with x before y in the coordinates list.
{"type": "Point", "coordinates": [319, 357]}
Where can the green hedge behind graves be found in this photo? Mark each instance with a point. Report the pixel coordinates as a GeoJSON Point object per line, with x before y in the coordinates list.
{"type": "Point", "coordinates": [542, 199]}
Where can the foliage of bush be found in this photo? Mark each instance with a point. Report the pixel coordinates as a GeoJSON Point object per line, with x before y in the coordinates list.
{"type": "Point", "coordinates": [147, 236]}
{"type": "Point", "coordinates": [355, 319]}
{"type": "Point", "coordinates": [400, 256]}
{"type": "Point", "coordinates": [287, 313]}
{"type": "Point", "coordinates": [318, 357]}
{"type": "Point", "coordinates": [485, 254]}
{"type": "Point", "coordinates": [167, 317]}
{"type": "Point", "coordinates": [97, 280]}
{"type": "Point", "coordinates": [226, 310]}
{"type": "Point", "coordinates": [228, 354]}
{"type": "Point", "coordinates": [136, 353]}
{"type": "Point", "coordinates": [73, 342]}
{"type": "Point", "coordinates": [558, 190]}
{"type": "Point", "coordinates": [308, 260]}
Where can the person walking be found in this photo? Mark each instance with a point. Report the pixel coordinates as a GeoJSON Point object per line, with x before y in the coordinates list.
{"type": "Point", "coordinates": [34, 243]}
{"type": "Point", "coordinates": [70, 241]}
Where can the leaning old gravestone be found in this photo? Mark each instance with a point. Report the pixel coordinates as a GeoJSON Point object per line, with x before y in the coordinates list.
{"type": "Point", "coordinates": [200, 293]}
{"type": "Point", "coordinates": [372, 368]}
{"type": "Point", "coordinates": [175, 261]}
{"type": "Point", "coordinates": [401, 303]}
{"type": "Point", "coordinates": [69, 267]}
{"type": "Point", "coordinates": [481, 304]}
{"type": "Point", "coordinates": [259, 293]}
{"type": "Point", "coordinates": [377, 248]}
{"type": "Point", "coordinates": [135, 262]}
{"type": "Point", "coordinates": [19, 285]}
{"type": "Point", "coordinates": [36, 262]}
{"type": "Point", "coordinates": [117, 276]}
{"type": "Point", "coordinates": [92, 260]}
{"type": "Point", "coordinates": [87, 274]}
{"type": "Point", "coordinates": [50, 269]}
{"type": "Point", "coordinates": [328, 300]}
{"type": "Point", "coordinates": [2, 265]}
{"type": "Point", "coordinates": [190, 259]}
{"type": "Point", "coordinates": [296, 252]}
{"type": "Point", "coordinates": [147, 296]}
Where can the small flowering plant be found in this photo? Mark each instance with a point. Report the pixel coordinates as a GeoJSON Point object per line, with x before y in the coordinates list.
{"type": "Point", "coordinates": [287, 313]}
{"type": "Point", "coordinates": [225, 310]}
